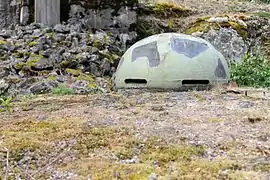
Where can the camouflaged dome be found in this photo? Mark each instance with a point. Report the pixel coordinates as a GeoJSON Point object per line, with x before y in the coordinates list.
{"type": "Point", "coordinates": [171, 61]}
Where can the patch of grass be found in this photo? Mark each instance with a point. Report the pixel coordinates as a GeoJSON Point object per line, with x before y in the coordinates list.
{"type": "Point", "coordinates": [262, 14]}
{"type": "Point", "coordinates": [63, 90]}
{"type": "Point", "coordinates": [164, 154]}
{"type": "Point", "coordinates": [97, 168]}
{"type": "Point", "coordinates": [254, 71]}
{"type": "Point", "coordinates": [36, 136]}
{"type": "Point", "coordinates": [262, 167]}
{"type": "Point", "coordinates": [155, 149]}
{"type": "Point", "coordinates": [92, 138]}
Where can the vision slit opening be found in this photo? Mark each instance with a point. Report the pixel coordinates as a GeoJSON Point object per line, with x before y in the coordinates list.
{"type": "Point", "coordinates": [135, 81]}
{"type": "Point", "coordinates": [204, 82]}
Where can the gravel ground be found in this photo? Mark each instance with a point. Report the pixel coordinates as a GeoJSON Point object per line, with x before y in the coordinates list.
{"type": "Point", "coordinates": [227, 123]}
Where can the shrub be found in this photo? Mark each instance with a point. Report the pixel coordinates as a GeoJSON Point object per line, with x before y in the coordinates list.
{"type": "Point", "coordinates": [253, 71]}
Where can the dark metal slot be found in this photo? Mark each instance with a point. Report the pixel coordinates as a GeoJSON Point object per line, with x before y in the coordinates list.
{"type": "Point", "coordinates": [195, 82]}
{"type": "Point", "coordinates": [135, 81]}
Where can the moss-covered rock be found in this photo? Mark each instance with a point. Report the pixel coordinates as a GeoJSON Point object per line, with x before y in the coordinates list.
{"type": "Point", "coordinates": [164, 10]}
{"type": "Point", "coordinates": [160, 18]}
{"type": "Point", "coordinates": [204, 24]}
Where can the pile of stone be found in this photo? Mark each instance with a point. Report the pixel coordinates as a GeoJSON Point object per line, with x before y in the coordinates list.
{"type": "Point", "coordinates": [38, 58]}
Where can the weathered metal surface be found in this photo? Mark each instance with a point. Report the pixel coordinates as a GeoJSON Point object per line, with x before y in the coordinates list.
{"type": "Point", "coordinates": [166, 61]}
{"type": "Point", "coordinates": [47, 12]}
{"type": "Point", "coordinates": [148, 50]}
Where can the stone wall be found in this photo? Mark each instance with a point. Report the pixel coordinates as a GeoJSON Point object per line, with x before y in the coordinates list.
{"type": "Point", "coordinates": [98, 14]}
{"type": "Point", "coordinates": [104, 14]}
{"type": "Point", "coordinates": [9, 12]}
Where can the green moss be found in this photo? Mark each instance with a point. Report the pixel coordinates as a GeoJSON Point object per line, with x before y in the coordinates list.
{"type": "Point", "coordinates": [21, 54]}
{"type": "Point", "coordinates": [33, 43]}
{"type": "Point", "coordinates": [90, 79]}
{"type": "Point", "coordinates": [198, 96]}
{"type": "Point", "coordinates": [202, 25]}
{"type": "Point", "coordinates": [19, 65]}
{"type": "Point", "coordinates": [74, 72]}
{"type": "Point", "coordinates": [97, 44]}
{"type": "Point", "coordinates": [31, 62]}
{"type": "Point", "coordinates": [166, 10]}
{"type": "Point", "coordinates": [50, 34]}
{"type": "Point", "coordinates": [3, 42]}
{"type": "Point", "coordinates": [262, 167]}
{"type": "Point", "coordinates": [164, 155]}
{"type": "Point", "coordinates": [52, 78]}
{"type": "Point", "coordinates": [93, 138]}
{"type": "Point", "coordinates": [84, 77]}
{"type": "Point", "coordinates": [111, 57]}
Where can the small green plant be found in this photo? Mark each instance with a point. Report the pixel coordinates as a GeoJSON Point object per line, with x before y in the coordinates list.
{"type": "Point", "coordinates": [5, 103]}
{"type": "Point", "coordinates": [63, 90]}
{"type": "Point", "coordinates": [253, 71]}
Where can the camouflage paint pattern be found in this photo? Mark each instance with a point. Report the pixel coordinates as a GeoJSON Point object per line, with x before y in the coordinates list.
{"type": "Point", "coordinates": [165, 60]}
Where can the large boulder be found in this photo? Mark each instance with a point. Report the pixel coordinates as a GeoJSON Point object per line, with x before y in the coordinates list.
{"type": "Point", "coordinates": [233, 35]}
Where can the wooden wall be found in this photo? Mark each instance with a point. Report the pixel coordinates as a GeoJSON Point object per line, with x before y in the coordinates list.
{"type": "Point", "coordinates": [47, 11]}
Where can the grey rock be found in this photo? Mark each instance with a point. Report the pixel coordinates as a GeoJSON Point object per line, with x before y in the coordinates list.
{"type": "Point", "coordinates": [40, 88]}
{"type": "Point", "coordinates": [75, 42]}
{"type": "Point", "coordinates": [41, 118]}
{"type": "Point", "coordinates": [60, 28]}
{"type": "Point", "coordinates": [76, 11]}
{"type": "Point", "coordinates": [46, 53]}
{"type": "Point", "coordinates": [35, 49]}
{"type": "Point", "coordinates": [27, 82]}
{"type": "Point", "coordinates": [43, 63]}
{"type": "Point", "coordinates": [105, 66]}
{"type": "Point", "coordinates": [4, 86]}
{"type": "Point", "coordinates": [61, 51]}
{"type": "Point", "coordinates": [152, 176]}
{"type": "Point", "coordinates": [81, 87]}
{"type": "Point", "coordinates": [228, 42]}
{"type": "Point", "coordinates": [5, 34]}
{"type": "Point", "coordinates": [67, 56]}
{"type": "Point", "coordinates": [59, 37]}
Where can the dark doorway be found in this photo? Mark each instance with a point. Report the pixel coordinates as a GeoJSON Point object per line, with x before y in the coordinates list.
{"type": "Point", "coordinates": [64, 11]}
{"type": "Point", "coordinates": [31, 11]}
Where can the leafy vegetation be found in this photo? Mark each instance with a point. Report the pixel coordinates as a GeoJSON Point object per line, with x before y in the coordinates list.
{"type": "Point", "coordinates": [5, 103]}
{"type": "Point", "coordinates": [253, 71]}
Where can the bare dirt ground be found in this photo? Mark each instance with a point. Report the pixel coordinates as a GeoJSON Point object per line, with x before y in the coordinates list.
{"type": "Point", "coordinates": [169, 135]}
